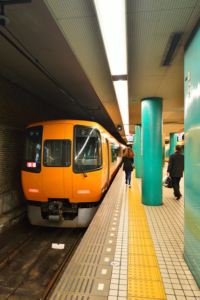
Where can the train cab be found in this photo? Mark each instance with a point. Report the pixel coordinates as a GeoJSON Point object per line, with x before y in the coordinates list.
{"type": "Point", "coordinates": [67, 167]}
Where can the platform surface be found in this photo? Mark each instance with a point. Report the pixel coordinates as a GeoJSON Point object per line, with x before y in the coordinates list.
{"type": "Point", "coordinates": [131, 251]}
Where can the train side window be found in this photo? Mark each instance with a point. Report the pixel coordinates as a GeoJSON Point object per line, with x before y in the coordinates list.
{"type": "Point", "coordinates": [87, 149]}
{"type": "Point", "coordinates": [32, 154]}
{"type": "Point", "coordinates": [57, 153]}
{"type": "Point", "coordinates": [118, 151]}
{"type": "Point", "coordinates": [115, 152]}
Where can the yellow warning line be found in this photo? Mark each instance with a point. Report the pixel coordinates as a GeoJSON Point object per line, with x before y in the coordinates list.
{"type": "Point", "coordinates": [144, 279]}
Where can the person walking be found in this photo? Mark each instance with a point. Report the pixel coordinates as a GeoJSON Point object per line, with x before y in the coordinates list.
{"type": "Point", "coordinates": [127, 160]}
{"type": "Point", "coordinates": [175, 170]}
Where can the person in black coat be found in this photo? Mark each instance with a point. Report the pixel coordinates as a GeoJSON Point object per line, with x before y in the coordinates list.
{"type": "Point", "coordinates": [127, 160]}
{"type": "Point", "coordinates": [175, 170]}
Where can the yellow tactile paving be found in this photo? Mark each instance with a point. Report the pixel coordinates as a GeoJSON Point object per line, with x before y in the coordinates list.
{"type": "Point", "coordinates": [142, 260]}
{"type": "Point", "coordinates": [139, 241]}
{"type": "Point", "coordinates": [145, 288]}
{"type": "Point", "coordinates": [139, 227]}
{"type": "Point", "coordinates": [141, 250]}
{"type": "Point", "coordinates": [144, 279]}
{"type": "Point", "coordinates": [139, 234]}
{"type": "Point", "coordinates": [144, 273]}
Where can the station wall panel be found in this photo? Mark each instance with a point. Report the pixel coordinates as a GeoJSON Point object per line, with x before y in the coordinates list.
{"type": "Point", "coordinates": [192, 156]}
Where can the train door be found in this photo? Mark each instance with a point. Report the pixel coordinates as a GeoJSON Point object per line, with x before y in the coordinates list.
{"type": "Point", "coordinates": [108, 164]}
{"type": "Point", "coordinates": [56, 159]}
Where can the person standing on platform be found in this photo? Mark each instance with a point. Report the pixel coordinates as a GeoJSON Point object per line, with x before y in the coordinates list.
{"type": "Point", "coordinates": [127, 160]}
{"type": "Point", "coordinates": [175, 170]}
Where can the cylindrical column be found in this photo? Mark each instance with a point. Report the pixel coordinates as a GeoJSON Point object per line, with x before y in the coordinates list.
{"type": "Point", "coordinates": [164, 152]}
{"type": "Point", "coordinates": [163, 147]}
{"type": "Point", "coordinates": [134, 143]}
{"type": "Point", "coordinates": [152, 119]}
{"type": "Point", "coordinates": [138, 151]}
{"type": "Point", "coordinates": [173, 142]}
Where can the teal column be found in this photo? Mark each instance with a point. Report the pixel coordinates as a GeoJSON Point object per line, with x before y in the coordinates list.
{"type": "Point", "coordinates": [134, 143]}
{"type": "Point", "coordinates": [164, 152]}
{"type": "Point", "coordinates": [138, 151]}
{"type": "Point", "coordinates": [173, 142]}
{"type": "Point", "coordinates": [192, 155]}
{"type": "Point", "coordinates": [152, 121]}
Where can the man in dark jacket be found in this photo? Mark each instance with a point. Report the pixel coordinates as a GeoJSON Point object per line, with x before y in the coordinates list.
{"type": "Point", "coordinates": [175, 170]}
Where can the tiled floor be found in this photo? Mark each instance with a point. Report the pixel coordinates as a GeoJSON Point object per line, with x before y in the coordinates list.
{"type": "Point", "coordinates": [144, 278]}
{"type": "Point", "coordinates": [166, 225]}
{"type": "Point", "coordinates": [130, 251]}
{"type": "Point", "coordinates": [118, 285]}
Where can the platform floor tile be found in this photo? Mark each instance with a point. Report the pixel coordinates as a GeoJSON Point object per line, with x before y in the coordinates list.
{"type": "Point", "coordinates": [144, 278]}
{"type": "Point", "coordinates": [102, 253]}
{"type": "Point", "coordinates": [166, 224]}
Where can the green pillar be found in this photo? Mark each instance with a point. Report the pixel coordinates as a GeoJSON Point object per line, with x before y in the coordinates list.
{"type": "Point", "coordinates": [173, 142]}
{"type": "Point", "coordinates": [138, 151]}
{"type": "Point", "coordinates": [164, 152]}
{"type": "Point", "coordinates": [152, 119]}
{"type": "Point", "coordinates": [134, 143]}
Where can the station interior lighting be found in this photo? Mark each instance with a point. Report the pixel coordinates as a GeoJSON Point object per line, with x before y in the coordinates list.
{"type": "Point", "coordinates": [112, 20]}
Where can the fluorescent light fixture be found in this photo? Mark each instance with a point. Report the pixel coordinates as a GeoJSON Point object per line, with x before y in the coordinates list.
{"type": "Point", "coordinates": [121, 90]}
{"type": "Point", "coordinates": [112, 19]}
{"type": "Point", "coordinates": [124, 114]}
{"type": "Point", "coordinates": [126, 129]}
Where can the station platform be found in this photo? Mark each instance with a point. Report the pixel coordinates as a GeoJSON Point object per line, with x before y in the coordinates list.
{"type": "Point", "coordinates": [131, 251]}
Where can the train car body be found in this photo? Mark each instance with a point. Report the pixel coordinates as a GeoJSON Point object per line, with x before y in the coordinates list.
{"type": "Point", "coordinates": [67, 167]}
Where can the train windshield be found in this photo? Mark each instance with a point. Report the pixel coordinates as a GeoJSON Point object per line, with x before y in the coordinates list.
{"type": "Point", "coordinates": [57, 153]}
{"type": "Point", "coordinates": [32, 153]}
{"type": "Point", "coordinates": [87, 149]}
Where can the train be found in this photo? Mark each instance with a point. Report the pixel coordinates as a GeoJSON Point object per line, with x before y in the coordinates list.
{"type": "Point", "coordinates": [67, 167]}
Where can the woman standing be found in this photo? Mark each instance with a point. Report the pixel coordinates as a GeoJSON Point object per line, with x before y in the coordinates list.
{"type": "Point", "coordinates": [128, 164]}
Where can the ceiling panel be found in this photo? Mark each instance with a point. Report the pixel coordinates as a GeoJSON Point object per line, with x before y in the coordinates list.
{"type": "Point", "coordinates": [80, 27]}
{"type": "Point", "coordinates": [152, 5]}
{"type": "Point", "coordinates": [63, 9]}
{"type": "Point", "coordinates": [66, 39]}
{"type": "Point", "coordinates": [41, 36]}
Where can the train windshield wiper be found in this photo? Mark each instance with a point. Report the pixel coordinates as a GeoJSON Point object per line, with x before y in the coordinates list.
{"type": "Point", "coordinates": [83, 169]}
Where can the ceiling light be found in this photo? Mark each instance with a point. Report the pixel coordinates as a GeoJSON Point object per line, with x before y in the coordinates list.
{"type": "Point", "coordinates": [112, 19]}
{"type": "Point", "coordinates": [121, 90]}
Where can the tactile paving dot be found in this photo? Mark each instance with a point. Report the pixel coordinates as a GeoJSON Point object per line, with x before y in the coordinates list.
{"type": "Point", "coordinates": [144, 273]}
{"type": "Point", "coordinates": [137, 298]}
{"type": "Point", "coordinates": [144, 279]}
{"type": "Point", "coordinates": [145, 289]}
{"type": "Point", "coordinates": [137, 222]}
{"type": "Point", "coordinates": [142, 260]}
{"type": "Point", "coordinates": [141, 250]}
{"type": "Point", "coordinates": [138, 228]}
{"type": "Point", "coordinates": [140, 234]}
{"type": "Point", "coordinates": [141, 242]}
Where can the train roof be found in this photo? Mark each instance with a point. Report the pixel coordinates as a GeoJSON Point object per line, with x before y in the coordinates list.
{"type": "Point", "coordinates": [103, 131]}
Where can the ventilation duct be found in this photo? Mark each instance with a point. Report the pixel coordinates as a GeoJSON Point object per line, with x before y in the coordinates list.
{"type": "Point", "coordinates": [171, 49]}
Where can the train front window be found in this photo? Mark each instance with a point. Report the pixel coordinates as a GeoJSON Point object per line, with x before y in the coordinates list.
{"type": "Point", "coordinates": [32, 153]}
{"type": "Point", "coordinates": [57, 153]}
{"type": "Point", "coordinates": [87, 149]}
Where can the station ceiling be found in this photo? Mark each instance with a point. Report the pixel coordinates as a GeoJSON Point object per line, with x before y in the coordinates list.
{"type": "Point", "coordinates": [54, 50]}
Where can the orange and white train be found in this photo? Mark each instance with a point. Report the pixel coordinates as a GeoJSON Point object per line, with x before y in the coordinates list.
{"type": "Point", "coordinates": [67, 167]}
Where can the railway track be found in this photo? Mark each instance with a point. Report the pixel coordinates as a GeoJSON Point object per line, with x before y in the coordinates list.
{"type": "Point", "coordinates": [31, 269]}
{"type": "Point", "coordinates": [59, 272]}
{"type": "Point", "coordinates": [12, 253]}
